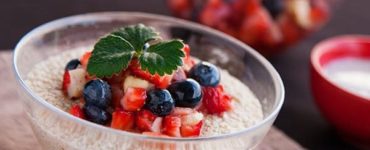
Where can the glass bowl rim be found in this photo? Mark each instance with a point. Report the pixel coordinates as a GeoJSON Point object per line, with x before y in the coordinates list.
{"type": "Point", "coordinates": [111, 15]}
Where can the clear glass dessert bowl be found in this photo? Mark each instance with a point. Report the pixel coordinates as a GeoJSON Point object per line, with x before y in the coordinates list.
{"type": "Point", "coordinates": [56, 129]}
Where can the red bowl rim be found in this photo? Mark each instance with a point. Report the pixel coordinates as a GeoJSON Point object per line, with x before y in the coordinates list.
{"type": "Point", "coordinates": [319, 50]}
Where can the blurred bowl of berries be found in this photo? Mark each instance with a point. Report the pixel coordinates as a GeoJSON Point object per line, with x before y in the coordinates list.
{"type": "Point", "coordinates": [269, 26]}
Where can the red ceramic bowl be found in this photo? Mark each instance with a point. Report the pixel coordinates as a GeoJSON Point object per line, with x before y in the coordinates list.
{"type": "Point", "coordinates": [347, 111]}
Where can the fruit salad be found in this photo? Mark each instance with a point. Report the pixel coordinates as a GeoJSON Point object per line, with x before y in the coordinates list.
{"type": "Point", "coordinates": [135, 81]}
{"type": "Point", "coordinates": [269, 26]}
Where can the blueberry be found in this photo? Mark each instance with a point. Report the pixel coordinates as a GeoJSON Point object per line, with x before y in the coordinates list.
{"type": "Point", "coordinates": [97, 92]}
{"type": "Point", "coordinates": [96, 115]}
{"type": "Point", "coordinates": [205, 73]}
{"type": "Point", "coordinates": [186, 93]}
{"type": "Point", "coordinates": [275, 7]}
{"type": "Point", "coordinates": [159, 102]}
{"type": "Point", "coordinates": [72, 64]}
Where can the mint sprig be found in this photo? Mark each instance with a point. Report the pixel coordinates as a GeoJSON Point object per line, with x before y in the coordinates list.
{"type": "Point", "coordinates": [113, 53]}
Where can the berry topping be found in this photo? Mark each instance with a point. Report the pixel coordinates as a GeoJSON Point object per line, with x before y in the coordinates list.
{"type": "Point", "coordinates": [145, 119]}
{"type": "Point", "coordinates": [187, 93]}
{"type": "Point", "coordinates": [85, 59]}
{"type": "Point", "coordinates": [274, 7]}
{"type": "Point", "coordinates": [96, 115]}
{"type": "Point", "coordinates": [97, 92]}
{"type": "Point", "coordinates": [77, 111]}
{"type": "Point", "coordinates": [159, 102]}
{"type": "Point", "coordinates": [215, 100]}
{"type": "Point", "coordinates": [133, 99]}
{"type": "Point", "coordinates": [205, 73]}
{"type": "Point", "coordinates": [72, 64]}
{"type": "Point", "coordinates": [122, 120]}
{"type": "Point", "coordinates": [191, 130]}
{"type": "Point", "coordinates": [171, 126]}
{"type": "Point", "coordinates": [73, 82]}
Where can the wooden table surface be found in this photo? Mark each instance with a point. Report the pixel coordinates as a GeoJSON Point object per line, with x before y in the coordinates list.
{"type": "Point", "coordinates": [16, 133]}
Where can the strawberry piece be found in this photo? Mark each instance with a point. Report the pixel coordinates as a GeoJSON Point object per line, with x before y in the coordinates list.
{"type": "Point", "coordinates": [122, 120]}
{"type": "Point", "coordinates": [155, 134]}
{"type": "Point", "coordinates": [133, 99]}
{"type": "Point", "coordinates": [319, 12]}
{"type": "Point", "coordinates": [145, 119]}
{"type": "Point", "coordinates": [290, 30]}
{"type": "Point", "coordinates": [215, 100]}
{"type": "Point", "coordinates": [191, 130]}
{"type": "Point", "coordinates": [77, 111]}
{"type": "Point", "coordinates": [191, 124]}
{"type": "Point", "coordinates": [259, 28]}
{"type": "Point", "coordinates": [161, 82]}
{"type": "Point", "coordinates": [171, 126]}
{"type": "Point", "coordinates": [66, 81]}
{"type": "Point", "coordinates": [85, 59]}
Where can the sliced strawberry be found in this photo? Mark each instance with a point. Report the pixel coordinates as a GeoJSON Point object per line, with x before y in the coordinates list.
{"type": "Point", "coordinates": [161, 82]}
{"type": "Point", "coordinates": [171, 126]}
{"type": "Point", "coordinates": [85, 59]}
{"type": "Point", "coordinates": [191, 130]}
{"type": "Point", "coordinates": [77, 111]}
{"type": "Point", "coordinates": [133, 99]}
{"type": "Point", "coordinates": [73, 82]}
{"type": "Point", "coordinates": [122, 120]}
{"type": "Point", "coordinates": [215, 100]}
{"type": "Point", "coordinates": [144, 120]}
{"type": "Point", "coordinates": [155, 134]}
{"type": "Point", "coordinates": [66, 81]}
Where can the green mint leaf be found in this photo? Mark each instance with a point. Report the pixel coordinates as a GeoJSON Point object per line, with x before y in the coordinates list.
{"type": "Point", "coordinates": [137, 35]}
{"type": "Point", "coordinates": [162, 58]}
{"type": "Point", "coordinates": [111, 55]}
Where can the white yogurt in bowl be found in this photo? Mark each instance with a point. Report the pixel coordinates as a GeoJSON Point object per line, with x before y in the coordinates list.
{"type": "Point", "coordinates": [352, 74]}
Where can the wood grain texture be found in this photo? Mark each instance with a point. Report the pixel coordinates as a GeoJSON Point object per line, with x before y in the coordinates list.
{"type": "Point", "coordinates": [16, 133]}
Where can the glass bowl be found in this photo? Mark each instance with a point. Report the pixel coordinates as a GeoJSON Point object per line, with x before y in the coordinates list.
{"type": "Point", "coordinates": [56, 129]}
{"type": "Point", "coordinates": [269, 26]}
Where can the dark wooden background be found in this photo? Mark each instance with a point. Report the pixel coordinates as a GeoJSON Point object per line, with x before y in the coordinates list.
{"type": "Point", "coordinates": [299, 117]}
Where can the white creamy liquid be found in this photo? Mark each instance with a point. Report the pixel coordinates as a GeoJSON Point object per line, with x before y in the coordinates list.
{"type": "Point", "coordinates": [352, 74]}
